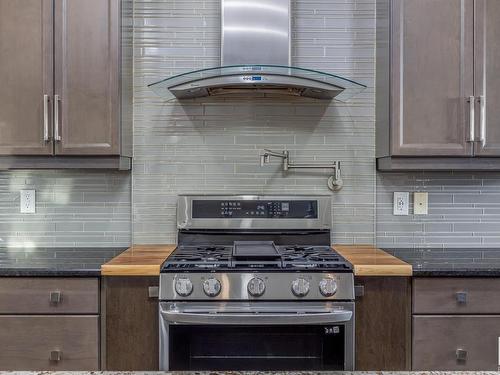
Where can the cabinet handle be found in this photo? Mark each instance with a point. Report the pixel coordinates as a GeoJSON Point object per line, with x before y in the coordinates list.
{"type": "Point", "coordinates": [55, 297]}
{"type": "Point", "coordinates": [461, 297]}
{"type": "Point", "coordinates": [482, 120]}
{"type": "Point", "coordinates": [55, 355]}
{"type": "Point", "coordinates": [153, 292]}
{"type": "Point", "coordinates": [57, 137]}
{"type": "Point", "coordinates": [461, 355]}
{"type": "Point", "coordinates": [46, 100]}
{"type": "Point", "coordinates": [472, 115]}
{"type": "Point", "coordinates": [359, 290]}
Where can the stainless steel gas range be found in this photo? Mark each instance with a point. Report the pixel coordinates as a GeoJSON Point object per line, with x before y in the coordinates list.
{"type": "Point", "coordinates": [254, 285]}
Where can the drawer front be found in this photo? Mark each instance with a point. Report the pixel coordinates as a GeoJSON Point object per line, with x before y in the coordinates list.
{"type": "Point", "coordinates": [20, 295]}
{"type": "Point", "coordinates": [456, 296]}
{"type": "Point", "coordinates": [455, 342]}
{"type": "Point", "coordinates": [29, 342]}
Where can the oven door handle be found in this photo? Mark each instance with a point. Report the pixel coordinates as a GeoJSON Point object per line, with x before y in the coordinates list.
{"type": "Point", "coordinates": [179, 317]}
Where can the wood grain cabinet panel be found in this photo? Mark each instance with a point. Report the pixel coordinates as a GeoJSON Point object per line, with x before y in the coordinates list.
{"type": "Point", "coordinates": [458, 343]}
{"type": "Point", "coordinates": [132, 333]}
{"type": "Point", "coordinates": [487, 81]}
{"type": "Point", "coordinates": [49, 342]}
{"type": "Point", "coordinates": [432, 76]}
{"type": "Point", "coordinates": [19, 295]}
{"type": "Point", "coordinates": [26, 76]}
{"type": "Point", "coordinates": [383, 324]}
{"type": "Point", "coordinates": [456, 296]}
{"type": "Point", "coordinates": [87, 76]}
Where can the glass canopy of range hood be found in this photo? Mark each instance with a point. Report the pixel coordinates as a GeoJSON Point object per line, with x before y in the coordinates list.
{"type": "Point", "coordinates": [265, 79]}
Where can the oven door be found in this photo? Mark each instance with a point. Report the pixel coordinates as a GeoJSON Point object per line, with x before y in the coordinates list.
{"type": "Point", "coordinates": [263, 336]}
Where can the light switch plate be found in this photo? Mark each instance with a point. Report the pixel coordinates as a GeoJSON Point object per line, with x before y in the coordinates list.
{"type": "Point", "coordinates": [401, 203]}
{"type": "Point", "coordinates": [28, 202]}
{"type": "Point", "coordinates": [420, 203]}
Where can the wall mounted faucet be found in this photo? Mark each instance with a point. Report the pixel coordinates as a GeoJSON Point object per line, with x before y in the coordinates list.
{"type": "Point", "coordinates": [335, 182]}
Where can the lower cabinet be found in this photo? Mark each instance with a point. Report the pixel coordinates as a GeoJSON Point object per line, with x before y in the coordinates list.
{"type": "Point", "coordinates": [49, 323]}
{"type": "Point", "coordinates": [49, 342]}
{"type": "Point", "coordinates": [456, 324]}
{"type": "Point", "coordinates": [131, 316]}
{"type": "Point", "coordinates": [456, 342]}
{"type": "Point", "coordinates": [383, 323]}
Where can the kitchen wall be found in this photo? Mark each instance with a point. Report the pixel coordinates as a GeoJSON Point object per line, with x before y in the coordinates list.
{"type": "Point", "coordinates": [464, 210]}
{"type": "Point", "coordinates": [213, 146]}
{"type": "Point", "coordinates": [74, 208]}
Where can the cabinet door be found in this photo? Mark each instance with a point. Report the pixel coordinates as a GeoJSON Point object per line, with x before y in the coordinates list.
{"type": "Point", "coordinates": [455, 342]}
{"type": "Point", "coordinates": [431, 77]}
{"type": "Point", "coordinates": [26, 51]}
{"type": "Point", "coordinates": [132, 332]}
{"type": "Point", "coordinates": [487, 83]}
{"type": "Point", "coordinates": [45, 342]}
{"type": "Point", "coordinates": [87, 77]}
{"type": "Point", "coordinates": [383, 324]}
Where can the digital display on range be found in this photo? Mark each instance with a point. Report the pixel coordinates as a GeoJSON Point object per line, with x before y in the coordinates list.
{"type": "Point", "coordinates": [261, 209]}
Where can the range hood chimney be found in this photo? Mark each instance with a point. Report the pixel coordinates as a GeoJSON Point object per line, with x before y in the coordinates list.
{"type": "Point", "coordinates": [256, 58]}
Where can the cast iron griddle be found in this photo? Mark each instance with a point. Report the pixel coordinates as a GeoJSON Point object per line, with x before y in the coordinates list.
{"type": "Point", "coordinates": [255, 250]}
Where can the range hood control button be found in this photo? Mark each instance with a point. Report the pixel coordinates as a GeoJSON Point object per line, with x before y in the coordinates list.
{"type": "Point", "coordinates": [212, 287]}
{"type": "Point", "coordinates": [183, 287]}
{"type": "Point", "coordinates": [328, 287]}
{"type": "Point", "coordinates": [300, 287]}
{"type": "Point", "coordinates": [256, 287]}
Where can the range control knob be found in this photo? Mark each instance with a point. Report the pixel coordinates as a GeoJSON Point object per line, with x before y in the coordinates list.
{"type": "Point", "coordinates": [300, 287]}
{"type": "Point", "coordinates": [183, 287]}
{"type": "Point", "coordinates": [211, 287]}
{"type": "Point", "coordinates": [328, 287]}
{"type": "Point", "coordinates": [256, 287]}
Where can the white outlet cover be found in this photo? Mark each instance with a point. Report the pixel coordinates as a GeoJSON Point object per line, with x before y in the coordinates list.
{"type": "Point", "coordinates": [420, 203]}
{"type": "Point", "coordinates": [28, 203]}
{"type": "Point", "coordinates": [401, 203]}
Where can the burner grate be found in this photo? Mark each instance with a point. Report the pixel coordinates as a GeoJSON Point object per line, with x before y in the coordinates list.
{"type": "Point", "coordinates": [203, 257]}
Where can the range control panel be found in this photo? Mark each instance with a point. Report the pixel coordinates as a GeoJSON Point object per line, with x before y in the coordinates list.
{"type": "Point", "coordinates": [262, 209]}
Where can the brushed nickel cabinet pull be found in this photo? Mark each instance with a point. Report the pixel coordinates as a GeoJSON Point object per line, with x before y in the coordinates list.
{"type": "Point", "coordinates": [55, 297]}
{"type": "Point", "coordinates": [461, 355]}
{"type": "Point", "coordinates": [482, 120]}
{"type": "Point", "coordinates": [472, 104]}
{"type": "Point", "coordinates": [57, 137]}
{"type": "Point", "coordinates": [461, 297]}
{"type": "Point", "coordinates": [359, 290]}
{"type": "Point", "coordinates": [55, 355]}
{"type": "Point", "coordinates": [46, 100]}
{"type": "Point", "coordinates": [153, 291]}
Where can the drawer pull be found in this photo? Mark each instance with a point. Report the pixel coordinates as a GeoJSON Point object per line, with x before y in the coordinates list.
{"type": "Point", "coordinates": [461, 355]}
{"type": "Point", "coordinates": [55, 355]}
{"type": "Point", "coordinates": [55, 297]}
{"type": "Point", "coordinates": [359, 290]}
{"type": "Point", "coordinates": [153, 292]}
{"type": "Point", "coordinates": [461, 297]}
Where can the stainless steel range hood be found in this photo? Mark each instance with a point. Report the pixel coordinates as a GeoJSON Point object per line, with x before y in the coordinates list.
{"type": "Point", "coordinates": [256, 58]}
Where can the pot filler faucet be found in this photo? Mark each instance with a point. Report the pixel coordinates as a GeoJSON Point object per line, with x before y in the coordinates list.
{"type": "Point", "coordinates": [335, 182]}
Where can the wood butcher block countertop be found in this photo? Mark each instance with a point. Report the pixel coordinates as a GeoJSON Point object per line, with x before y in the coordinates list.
{"type": "Point", "coordinates": [146, 260]}
{"type": "Point", "coordinates": [139, 260]}
{"type": "Point", "coordinates": [370, 261]}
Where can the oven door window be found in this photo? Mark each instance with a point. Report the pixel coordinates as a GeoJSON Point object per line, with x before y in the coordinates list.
{"type": "Point", "coordinates": [219, 347]}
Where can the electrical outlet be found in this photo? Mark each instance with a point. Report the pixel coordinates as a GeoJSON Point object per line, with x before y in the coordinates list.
{"type": "Point", "coordinates": [28, 202]}
{"type": "Point", "coordinates": [420, 203]}
{"type": "Point", "coordinates": [401, 203]}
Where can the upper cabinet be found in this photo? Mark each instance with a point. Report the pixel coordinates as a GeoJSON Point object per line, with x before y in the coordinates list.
{"type": "Point", "coordinates": [487, 76]}
{"type": "Point", "coordinates": [66, 70]}
{"type": "Point", "coordinates": [438, 75]}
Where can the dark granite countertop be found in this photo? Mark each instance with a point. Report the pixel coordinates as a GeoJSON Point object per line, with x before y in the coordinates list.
{"type": "Point", "coordinates": [451, 262]}
{"type": "Point", "coordinates": [55, 261]}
